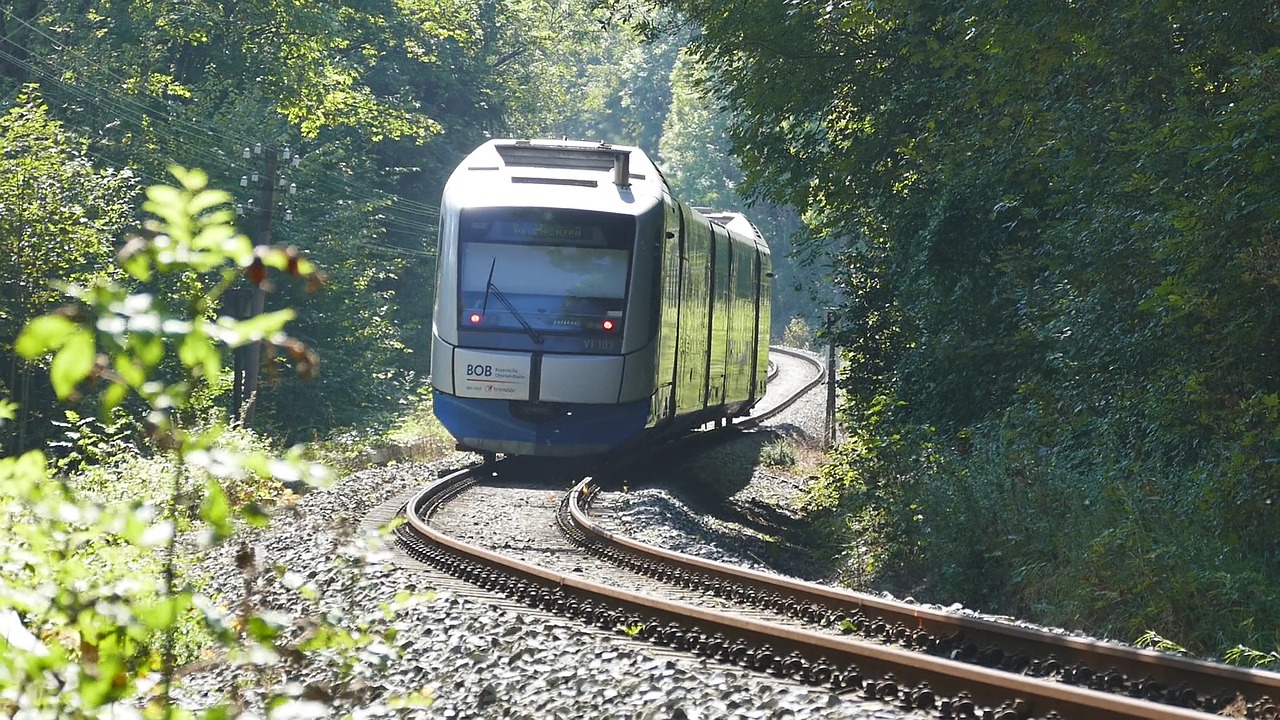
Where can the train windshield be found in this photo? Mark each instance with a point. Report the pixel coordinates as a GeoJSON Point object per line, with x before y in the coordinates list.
{"type": "Point", "coordinates": [543, 271]}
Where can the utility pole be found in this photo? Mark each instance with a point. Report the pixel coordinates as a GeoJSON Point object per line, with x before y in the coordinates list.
{"type": "Point", "coordinates": [249, 303]}
{"type": "Point", "coordinates": [830, 429]}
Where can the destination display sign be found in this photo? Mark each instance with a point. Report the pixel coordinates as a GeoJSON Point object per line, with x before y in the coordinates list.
{"type": "Point", "coordinates": [548, 227]}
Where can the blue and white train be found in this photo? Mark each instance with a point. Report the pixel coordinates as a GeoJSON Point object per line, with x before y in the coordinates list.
{"type": "Point", "coordinates": [580, 308]}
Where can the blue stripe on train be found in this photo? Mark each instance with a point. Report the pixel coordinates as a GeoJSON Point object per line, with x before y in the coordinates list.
{"type": "Point", "coordinates": [586, 429]}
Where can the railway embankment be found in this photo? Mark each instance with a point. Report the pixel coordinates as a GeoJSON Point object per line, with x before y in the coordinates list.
{"type": "Point", "coordinates": [441, 647]}
{"type": "Point", "coordinates": [458, 650]}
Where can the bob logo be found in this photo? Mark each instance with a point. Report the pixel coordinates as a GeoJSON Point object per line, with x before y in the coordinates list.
{"type": "Point", "coordinates": [497, 375]}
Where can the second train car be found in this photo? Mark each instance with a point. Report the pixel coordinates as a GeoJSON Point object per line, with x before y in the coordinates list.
{"type": "Point", "coordinates": [580, 308]}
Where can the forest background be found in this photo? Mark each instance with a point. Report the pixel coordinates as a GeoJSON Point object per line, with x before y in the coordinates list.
{"type": "Point", "coordinates": [1049, 231]}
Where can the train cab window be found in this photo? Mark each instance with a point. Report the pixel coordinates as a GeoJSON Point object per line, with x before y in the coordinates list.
{"type": "Point", "coordinates": [543, 271]}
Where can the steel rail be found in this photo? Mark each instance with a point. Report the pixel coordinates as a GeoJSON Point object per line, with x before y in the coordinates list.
{"type": "Point", "coordinates": [1174, 671]}
{"type": "Point", "coordinates": [942, 677]}
{"type": "Point", "coordinates": [778, 647]}
{"type": "Point", "coordinates": [813, 382]}
{"type": "Point", "coordinates": [1200, 678]}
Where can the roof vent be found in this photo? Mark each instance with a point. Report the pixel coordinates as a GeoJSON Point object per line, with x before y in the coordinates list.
{"type": "Point", "coordinates": [622, 168]}
{"type": "Point", "coordinates": [553, 156]}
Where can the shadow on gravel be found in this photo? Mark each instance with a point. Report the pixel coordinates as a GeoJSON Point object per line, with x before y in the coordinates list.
{"type": "Point", "coordinates": [536, 472]}
{"type": "Point", "coordinates": [758, 510]}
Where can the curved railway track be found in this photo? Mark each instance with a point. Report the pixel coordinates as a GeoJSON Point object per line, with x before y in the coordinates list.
{"type": "Point", "coordinates": [913, 657]}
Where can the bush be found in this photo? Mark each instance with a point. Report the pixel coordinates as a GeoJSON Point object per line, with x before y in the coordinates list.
{"type": "Point", "coordinates": [1076, 536]}
{"type": "Point", "coordinates": [94, 607]}
{"type": "Point", "coordinates": [798, 334]}
{"type": "Point", "coordinates": [778, 454]}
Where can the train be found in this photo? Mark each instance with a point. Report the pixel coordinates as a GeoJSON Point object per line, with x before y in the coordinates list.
{"type": "Point", "coordinates": [581, 309]}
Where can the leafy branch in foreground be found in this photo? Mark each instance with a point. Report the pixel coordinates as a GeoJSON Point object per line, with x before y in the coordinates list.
{"type": "Point", "coordinates": [72, 642]}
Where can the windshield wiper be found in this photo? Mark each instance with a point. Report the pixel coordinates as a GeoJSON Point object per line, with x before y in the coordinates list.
{"type": "Point", "coordinates": [489, 287]}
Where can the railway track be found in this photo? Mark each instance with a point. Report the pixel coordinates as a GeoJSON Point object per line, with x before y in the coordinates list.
{"type": "Point", "coordinates": [906, 655]}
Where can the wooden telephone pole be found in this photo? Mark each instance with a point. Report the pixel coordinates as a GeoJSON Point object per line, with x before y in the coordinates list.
{"type": "Point", "coordinates": [829, 434]}
{"type": "Point", "coordinates": [251, 302]}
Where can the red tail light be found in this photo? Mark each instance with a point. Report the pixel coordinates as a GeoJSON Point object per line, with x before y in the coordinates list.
{"type": "Point", "coordinates": [608, 325]}
{"type": "Point", "coordinates": [475, 318]}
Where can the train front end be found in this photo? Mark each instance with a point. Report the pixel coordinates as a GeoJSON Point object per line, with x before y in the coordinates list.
{"type": "Point", "coordinates": [542, 335]}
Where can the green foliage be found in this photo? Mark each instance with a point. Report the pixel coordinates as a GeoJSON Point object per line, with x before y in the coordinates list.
{"type": "Point", "coordinates": [1152, 639]}
{"type": "Point", "coordinates": [381, 97]}
{"type": "Point", "coordinates": [1081, 538]}
{"type": "Point", "coordinates": [90, 597]}
{"type": "Point", "coordinates": [698, 162]}
{"type": "Point", "coordinates": [1241, 655]}
{"type": "Point", "coordinates": [627, 93]}
{"type": "Point", "coordinates": [699, 167]}
{"type": "Point", "coordinates": [1053, 230]}
{"type": "Point", "coordinates": [87, 442]}
{"type": "Point", "coordinates": [87, 632]}
{"type": "Point", "coordinates": [778, 454]}
{"type": "Point", "coordinates": [136, 331]}
{"type": "Point", "coordinates": [58, 214]}
{"type": "Point", "coordinates": [798, 334]}
{"type": "Point", "coordinates": [1000, 227]}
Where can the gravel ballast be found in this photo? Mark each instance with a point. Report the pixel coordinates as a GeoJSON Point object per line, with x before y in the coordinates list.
{"type": "Point", "coordinates": [459, 652]}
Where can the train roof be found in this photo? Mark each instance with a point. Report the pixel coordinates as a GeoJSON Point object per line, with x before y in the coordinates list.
{"type": "Point", "coordinates": [571, 174]}
{"type": "Point", "coordinates": [616, 178]}
{"type": "Point", "coordinates": [735, 221]}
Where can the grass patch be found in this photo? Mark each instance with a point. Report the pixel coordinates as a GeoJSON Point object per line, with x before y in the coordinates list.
{"type": "Point", "coordinates": [778, 454]}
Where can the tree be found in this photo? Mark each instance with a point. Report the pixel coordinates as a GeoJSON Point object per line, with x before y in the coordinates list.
{"type": "Point", "coordinates": [59, 216]}
{"type": "Point", "coordinates": [153, 84]}
{"type": "Point", "coordinates": [1015, 181]}
{"type": "Point", "coordinates": [626, 93]}
{"type": "Point", "coordinates": [1053, 228]}
{"type": "Point", "coordinates": [698, 161]}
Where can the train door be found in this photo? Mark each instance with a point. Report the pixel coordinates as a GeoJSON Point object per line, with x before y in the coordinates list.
{"type": "Point", "coordinates": [718, 331]}
{"type": "Point", "coordinates": [695, 269]}
{"type": "Point", "coordinates": [763, 302]}
{"type": "Point", "coordinates": [668, 298]}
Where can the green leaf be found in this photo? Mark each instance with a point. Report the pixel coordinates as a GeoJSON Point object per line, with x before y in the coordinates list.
{"type": "Point", "coordinates": [197, 352]}
{"type": "Point", "coordinates": [193, 179]}
{"type": "Point", "coordinates": [45, 333]}
{"type": "Point", "coordinates": [106, 683]}
{"type": "Point", "coordinates": [261, 629]}
{"type": "Point", "coordinates": [256, 515]}
{"type": "Point", "coordinates": [28, 469]}
{"type": "Point", "coordinates": [132, 373]}
{"type": "Point", "coordinates": [165, 611]}
{"type": "Point", "coordinates": [113, 396]}
{"type": "Point", "coordinates": [166, 202]}
{"type": "Point", "coordinates": [215, 509]}
{"type": "Point", "coordinates": [260, 326]}
{"type": "Point", "coordinates": [138, 265]}
{"type": "Point", "coordinates": [148, 348]}
{"type": "Point", "coordinates": [73, 363]}
{"type": "Point", "coordinates": [206, 199]}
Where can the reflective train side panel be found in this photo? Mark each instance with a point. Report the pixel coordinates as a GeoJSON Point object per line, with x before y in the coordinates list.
{"type": "Point", "coordinates": [580, 308]}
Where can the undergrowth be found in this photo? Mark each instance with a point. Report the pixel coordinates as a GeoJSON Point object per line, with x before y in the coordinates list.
{"type": "Point", "coordinates": [98, 605]}
{"type": "Point", "coordinates": [1133, 548]}
{"type": "Point", "coordinates": [409, 433]}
